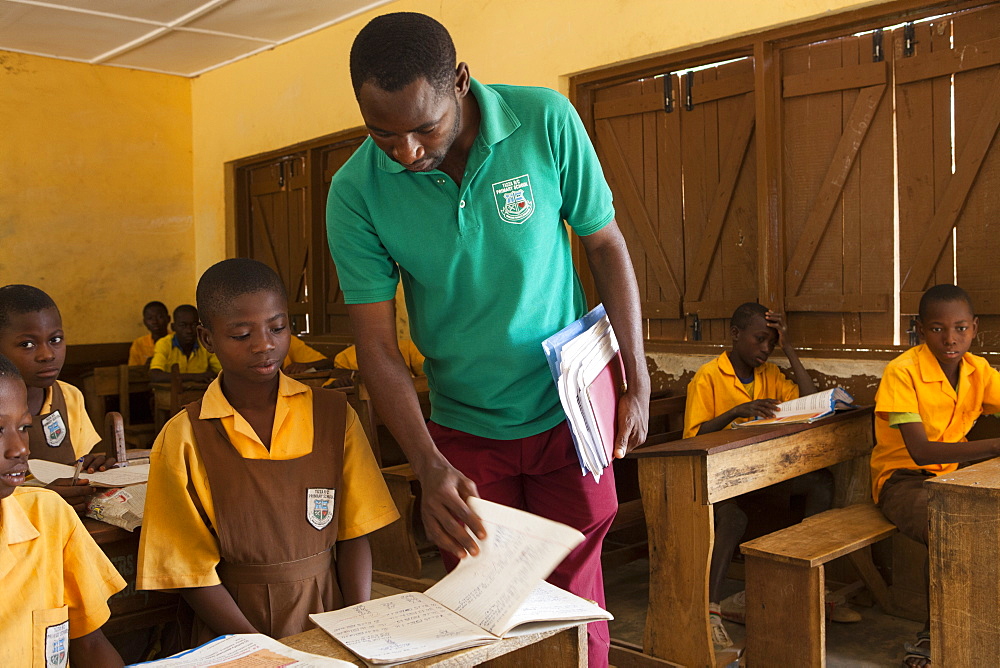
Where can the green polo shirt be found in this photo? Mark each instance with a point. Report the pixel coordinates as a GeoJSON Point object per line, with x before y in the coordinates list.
{"type": "Point", "coordinates": [485, 264]}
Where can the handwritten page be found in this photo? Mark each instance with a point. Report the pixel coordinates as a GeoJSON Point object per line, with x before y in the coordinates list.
{"type": "Point", "coordinates": [520, 550]}
{"type": "Point", "coordinates": [250, 650]}
{"type": "Point", "coordinates": [400, 628]}
{"type": "Point", "coordinates": [46, 471]}
{"type": "Point", "coordinates": [551, 603]}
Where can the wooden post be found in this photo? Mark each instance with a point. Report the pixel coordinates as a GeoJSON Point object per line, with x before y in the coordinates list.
{"type": "Point", "coordinates": [785, 615]}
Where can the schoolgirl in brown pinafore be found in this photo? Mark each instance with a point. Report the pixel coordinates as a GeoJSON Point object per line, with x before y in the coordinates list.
{"type": "Point", "coordinates": [276, 521]}
{"type": "Point", "coordinates": [48, 435]}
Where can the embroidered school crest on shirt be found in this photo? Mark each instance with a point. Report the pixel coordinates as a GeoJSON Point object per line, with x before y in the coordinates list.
{"type": "Point", "coordinates": [57, 645]}
{"type": "Point", "coordinates": [515, 202]}
{"type": "Point", "coordinates": [319, 506]}
{"type": "Point", "coordinates": [54, 428]}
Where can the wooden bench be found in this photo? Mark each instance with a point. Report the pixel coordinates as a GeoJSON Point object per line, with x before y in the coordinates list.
{"type": "Point", "coordinates": [785, 580]}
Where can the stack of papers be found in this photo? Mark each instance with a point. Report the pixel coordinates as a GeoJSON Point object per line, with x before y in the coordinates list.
{"type": "Point", "coordinates": [46, 471]}
{"type": "Point", "coordinates": [807, 409]}
{"type": "Point", "coordinates": [590, 377]}
{"type": "Point", "coordinates": [250, 650]}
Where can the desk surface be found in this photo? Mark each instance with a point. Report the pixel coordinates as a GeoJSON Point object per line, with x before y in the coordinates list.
{"type": "Point", "coordinates": [555, 647]}
{"type": "Point", "coordinates": [730, 439]}
{"type": "Point", "coordinates": [104, 533]}
{"type": "Point", "coordinates": [981, 476]}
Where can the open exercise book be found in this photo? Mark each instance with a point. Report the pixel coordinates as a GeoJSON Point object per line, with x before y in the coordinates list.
{"type": "Point", "coordinates": [45, 472]}
{"type": "Point", "coordinates": [587, 367]}
{"type": "Point", "coordinates": [499, 593]}
{"type": "Point", "coordinates": [807, 409]}
{"type": "Point", "coordinates": [248, 650]}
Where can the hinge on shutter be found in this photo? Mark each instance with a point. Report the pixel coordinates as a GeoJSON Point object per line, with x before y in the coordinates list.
{"type": "Point", "coordinates": [688, 85]}
{"type": "Point", "coordinates": [281, 175]}
{"type": "Point", "coordinates": [668, 92]}
{"type": "Point", "coordinates": [912, 331]}
{"type": "Point", "coordinates": [877, 54]}
{"type": "Point", "coordinates": [696, 328]}
{"type": "Point", "coordinates": [909, 39]}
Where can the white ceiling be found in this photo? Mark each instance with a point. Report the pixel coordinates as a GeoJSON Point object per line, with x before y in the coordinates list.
{"type": "Point", "coordinates": [183, 37]}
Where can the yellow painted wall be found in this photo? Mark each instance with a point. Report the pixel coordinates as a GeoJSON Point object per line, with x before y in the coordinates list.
{"type": "Point", "coordinates": [302, 90]}
{"type": "Point", "coordinates": [95, 191]}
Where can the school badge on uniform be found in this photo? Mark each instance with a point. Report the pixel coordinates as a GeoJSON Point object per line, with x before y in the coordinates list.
{"type": "Point", "coordinates": [57, 645]}
{"type": "Point", "coordinates": [515, 201]}
{"type": "Point", "coordinates": [319, 506]}
{"type": "Point", "coordinates": [54, 428]}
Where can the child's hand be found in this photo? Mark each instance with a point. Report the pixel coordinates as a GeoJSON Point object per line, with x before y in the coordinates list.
{"type": "Point", "coordinates": [759, 408]}
{"type": "Point", "coordinates": [98, 462]}
{"type": "Point", "coordinates": [76, 495]}
{"type": "Point", "coordinates": [777, 321]}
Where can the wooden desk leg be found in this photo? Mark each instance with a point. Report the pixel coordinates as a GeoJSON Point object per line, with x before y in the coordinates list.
{"type": "Point", "coordinates": [567, 649]}
{"type": "Point", "coordinates": [681, 533]}
{"type": "Point", "coordinates": [785, 615]}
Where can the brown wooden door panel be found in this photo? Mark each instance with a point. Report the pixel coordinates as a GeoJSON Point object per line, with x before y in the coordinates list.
{"type": "Point", "coordinates": [335, 311]}
{"type": "Point", "coordinates": [837, 192]}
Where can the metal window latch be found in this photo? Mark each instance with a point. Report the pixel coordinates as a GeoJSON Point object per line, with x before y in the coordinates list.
{"type": "Point", "coordinates": [878, 55]}
{"type": "Point", "coordinates": [281, 175]}
{"type": "Point", "coordinates": [909, 39]}
{"type": "Point", "coordinates": [689, 84]}
{"type": "Point", "coordinates": [912, 331]}
{"type": "Point", "coordinates": [696, 328]}
{"type": "Point", "coordinates": [668, 92]}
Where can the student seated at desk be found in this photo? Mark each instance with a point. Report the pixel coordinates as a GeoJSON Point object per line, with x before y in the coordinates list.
{"type": "Point", "coordinates": [184, 350]}
{"type": "Point", "coordinates": [31, 336]}
{"type": "Point", "coordinates": [155, 318]}
{"type": "Point", "coordinates": [302, 357]}
{"type": "Point", "coordinates": [260, 494]}
{"type": "Point", "coordinates": [927, 401]}
{"type": "Point", "coordinates": [738, 386]}
{"type": "Point", "coordinates": [56, 580]}
{"type": "Point", "coordinates": [348, 358]}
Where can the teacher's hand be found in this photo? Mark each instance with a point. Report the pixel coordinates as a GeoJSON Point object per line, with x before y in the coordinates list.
{"type": "Point", "coordinates": [447, 517]}
{"type": "Point", "coordinates": [633, 422]}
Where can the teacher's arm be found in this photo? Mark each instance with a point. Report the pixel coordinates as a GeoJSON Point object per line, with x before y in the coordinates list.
{"type": "Point", "coordinates": [444, 489]}
{"type": "Point", "coordinates": [611, 266]}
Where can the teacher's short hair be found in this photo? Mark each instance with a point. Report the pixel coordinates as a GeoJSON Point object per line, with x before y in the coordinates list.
{"type": "Point", "coordinates": [394, 50]}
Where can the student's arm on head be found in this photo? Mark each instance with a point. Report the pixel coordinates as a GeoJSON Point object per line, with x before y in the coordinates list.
{"type": "Point", "coordinates": [445, 490]}
{"type": "Point", "coordinates": [614, 275]}
{"type": "Point", "coordinates": [93, 651]}
{"type": "Point", "coordinates": [802, 379]}
{"type": "Point", "coordinates": [354, 569]}
{"type": "Point", "coordinates": [215, 606]}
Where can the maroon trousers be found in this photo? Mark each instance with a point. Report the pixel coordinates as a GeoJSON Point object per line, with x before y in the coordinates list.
{"type": "Point", "coordinates": [541, 474]}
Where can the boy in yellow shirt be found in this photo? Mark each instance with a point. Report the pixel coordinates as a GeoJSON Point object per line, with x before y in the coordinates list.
{"type": "Point", "coordinates": [184, 350]}
{"type": "Point", "coordinates": [261, 494]}
{"type": "Point", "coordinates": [31, 336]}
{"type": "Point", "coordinates": [927, 401]}
{"type": "Point", "coordinates": [155, 318]}
{"type": "Point", "coordinates": [348, 357]}
{"type": "Point", "coordinates": [737, 386]}
{"type": "Point", "coordinates": [56, 580]}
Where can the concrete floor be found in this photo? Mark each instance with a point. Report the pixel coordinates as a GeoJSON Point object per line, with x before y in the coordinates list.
{"type": "Point", "coordinates": [874, 642]}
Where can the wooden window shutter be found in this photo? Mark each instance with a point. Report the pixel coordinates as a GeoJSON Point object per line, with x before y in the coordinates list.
{"type": "Point", "coordinates": [837, 198]}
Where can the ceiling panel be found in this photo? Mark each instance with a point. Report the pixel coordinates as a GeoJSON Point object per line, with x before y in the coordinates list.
{"type": "Point", "coordinates": [186, 53]}
{"type": "Point", "coordinates": [163, 11]}
{"type": "Point", "coordinates": [64, 34]}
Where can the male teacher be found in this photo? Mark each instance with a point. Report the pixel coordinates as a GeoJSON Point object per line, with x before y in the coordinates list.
{"type": "Point", "coordinates": [462, 190]}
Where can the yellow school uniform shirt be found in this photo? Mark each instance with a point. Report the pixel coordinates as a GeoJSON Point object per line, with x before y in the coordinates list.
{"type": "Point", "coordinates": [299, 353]}
{"type": "Point", "coordinates": [141, 350]}
{"type": "Point", "coordinates": [177, 546]}
{"type": "Point", "coordinates": [52, 572]}
{"type": "Point", "coordinates": [81, 429]}
{"type": "Point", "coordinates": [715, 389]}
{"type": "Point", "coordinates": [166, 354]}
{"type": "Point", "coordinates": [348, 357]}
{"type": "Point", "coordinates": [915, 383]}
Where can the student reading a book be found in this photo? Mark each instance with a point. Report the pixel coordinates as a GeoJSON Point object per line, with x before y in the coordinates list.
{"type": "Point", "coordinates": [31, 336]}
{"type": "Point", "coordinates": [927, 401]}
{"type": "Point", "coordinates": [464, 191]}
{"type": "Point", "coordinates": [56, 580]}
{"type": "Point", "coordinates": [260, 494]}
{"type": "Point", "coordinates": [739, 385]}
{"type": "Point", "coordinates": [156, 319]}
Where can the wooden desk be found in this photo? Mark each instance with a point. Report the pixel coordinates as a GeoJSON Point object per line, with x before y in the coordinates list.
{"type": "Point", "coordinates": [102, 382]}
{"type": "Point", "coordinates": [165, 406]}
{"type": "Point", "coordinates": [131, 609]}
{"type": "Point", "coordinates": [555, 649]}
{"type": "Point", "coordinates": [964, 517]}
{"type": "Point", "coordinates": [680, 481]}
